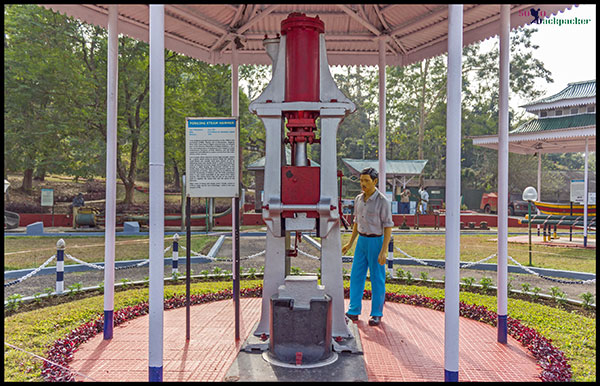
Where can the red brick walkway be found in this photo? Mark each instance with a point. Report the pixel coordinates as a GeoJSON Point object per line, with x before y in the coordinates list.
{"type": "Point", "coordinates": [407, 346]}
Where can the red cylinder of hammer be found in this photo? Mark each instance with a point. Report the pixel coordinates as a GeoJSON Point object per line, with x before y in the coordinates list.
{"type": "Point", "coordinates": [302, 57]}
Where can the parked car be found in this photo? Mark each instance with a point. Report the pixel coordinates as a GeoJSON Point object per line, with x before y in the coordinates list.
{"type": "Point", "coordinates": [516, 205]}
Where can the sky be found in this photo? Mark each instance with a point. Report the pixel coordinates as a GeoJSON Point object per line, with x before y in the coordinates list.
{"type": "Point", "coordinates": [568, 51]}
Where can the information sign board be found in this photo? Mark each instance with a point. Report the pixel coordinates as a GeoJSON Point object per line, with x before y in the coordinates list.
{"type": "Point", "coordinates": [212, 157]}
{"type": "Point", "coordinates": [577, 191]}
{"type": "Point", "coordinates": [47, 197]}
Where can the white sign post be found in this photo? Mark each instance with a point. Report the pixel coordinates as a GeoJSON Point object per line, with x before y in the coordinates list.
{"type": "Point", "coordinates": [577, 191]}
{"type": "Point", "coordinates": [211, 170]}
{"type": "Point", "coordinates": [48, 200]}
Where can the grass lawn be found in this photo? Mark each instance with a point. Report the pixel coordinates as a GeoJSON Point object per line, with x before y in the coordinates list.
{"type": "Point", "coordinates": [31, 252]}
{"type": "Point", "coordinates": [34, 331]}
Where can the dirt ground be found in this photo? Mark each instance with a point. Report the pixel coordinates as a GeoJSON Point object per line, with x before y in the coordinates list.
{"type": "Point", "coordinates": [250, 245]}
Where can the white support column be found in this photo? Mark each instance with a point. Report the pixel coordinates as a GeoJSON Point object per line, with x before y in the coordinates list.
{"type": "Point", "coordinates": [235, 91]}
{"type": "Point", "coordinates": [235, 220]}
{"type": "Point", "coordinates": [453, 137]}
{"type": "Point", "coordinates": [112, 88]}
{"type": "Point", "coordinates": [585, 197]}
{"type": "Point", "coordinates": [235, 105]}
{"type": "Point", "coordinates": [539, 176]}
{"type": "Point", "coordinates": [539, 186]}
{"type": "Point", "coordinates": [382, 114]}
{"type": "Point", "coordinates": [157, 177]}
{"type": "Point", "coordinates": [502, 255]}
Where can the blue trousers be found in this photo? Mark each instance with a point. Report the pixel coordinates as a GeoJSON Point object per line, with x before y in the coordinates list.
{"type": "Point", "coordinates": [365, 257]}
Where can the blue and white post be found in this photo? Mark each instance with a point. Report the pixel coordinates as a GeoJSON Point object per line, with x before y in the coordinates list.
{"type": "Point", "coordinates": [157, 195]}
{"type": "Point", "coordinates": [503, 173]}
{"type": "Point", "coordinates": [60, 266]}
{"type": "Point", "coordinates": [453, 135]}
{"type": "Point", "coordinates": [175, 254]}
{"type": "Point", "coordinates": [390, 258]}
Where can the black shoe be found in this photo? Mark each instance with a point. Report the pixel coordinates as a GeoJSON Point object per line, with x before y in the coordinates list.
{"type": "Point", "coordinates": [375, 320]}
{"type": "Point", "coordinates": [353, 318]}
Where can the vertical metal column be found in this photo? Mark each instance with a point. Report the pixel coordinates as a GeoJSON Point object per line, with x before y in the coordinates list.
{"type": "Point", "coordinates": [539, 177]}
{"type": "Point", "coordinates": [453, 134]}
{"type": "Point", "coordinates": [157, 202]}
{"type": "Point", "coordinates": [382, 114]}
{"type": "Point", "coordinates": [112, 89]}
{"type": "Point", "coordinates": [585, 193]}
{"type": "Point", "coordinates": [502, 256]}
{"type": "Point", "coordinates": [539, 186]}
{"type": "Point", "coordinates": [235, 201]}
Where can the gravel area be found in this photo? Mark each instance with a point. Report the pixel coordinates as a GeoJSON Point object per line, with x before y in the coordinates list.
{"type": "Point", "coordinates": [250, 245]}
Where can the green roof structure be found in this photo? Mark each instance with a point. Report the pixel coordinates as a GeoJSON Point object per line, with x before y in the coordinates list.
{"type": "Point", "coordinates": [566, 123]}
{"type": "Point", "coordinates": [556, 123]}
{"type": "Point", "coordinates": [575, 90]}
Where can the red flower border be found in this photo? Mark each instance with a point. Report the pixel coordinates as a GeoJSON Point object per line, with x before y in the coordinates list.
{"type": "Point", "coordinates": [552, 361]}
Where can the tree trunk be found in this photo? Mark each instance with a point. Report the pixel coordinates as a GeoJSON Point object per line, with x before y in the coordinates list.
{"type": "Point", "coordinates": [176, 176]}
{"type": "Point", "coordinates": [27, 180]}
{"type": "Point", "coordinates": [129, 189]}
{"type": "Point", "coordinates": [40, 175]}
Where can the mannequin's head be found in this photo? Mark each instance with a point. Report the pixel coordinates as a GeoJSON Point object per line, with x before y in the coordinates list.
{"type": "Point", "coordinates": [368, 180]}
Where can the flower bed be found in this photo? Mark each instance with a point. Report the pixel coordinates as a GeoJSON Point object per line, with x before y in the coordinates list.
{"type": "Point", "coordinates": [552, 361]}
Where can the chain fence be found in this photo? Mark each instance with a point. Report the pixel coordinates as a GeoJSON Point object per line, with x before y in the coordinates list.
{"type": "Point", "coordinates": [345, 259]}
{"type": "Point", "coordinates": [526, 269]}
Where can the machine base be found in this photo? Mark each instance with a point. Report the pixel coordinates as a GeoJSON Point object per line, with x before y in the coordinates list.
{"type": "Point", "coordinates": [250, 365]}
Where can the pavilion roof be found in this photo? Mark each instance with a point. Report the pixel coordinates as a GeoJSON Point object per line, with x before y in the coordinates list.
{"type": "Point", "coordinates": [412, 32]}
{"type": "Point", "coordinates": [557, 123]}
{"type": "Point", "coordinates": [575, 90]}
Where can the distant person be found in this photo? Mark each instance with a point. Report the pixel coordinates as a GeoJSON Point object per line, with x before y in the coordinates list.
{"type": "Point", "coordinates": [424, 199]}
{"type": "Point", "coordinates": [373, 226]}
{"type": "Point", "coordinates": [405, 201]}
{"type": "Point", "coordinates": [78, 202]}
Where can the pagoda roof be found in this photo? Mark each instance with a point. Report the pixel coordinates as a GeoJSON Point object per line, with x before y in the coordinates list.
{"type": "Point", "coordinates": [556, 123]}
{"type": "Point", "coordinates": [576, 93]}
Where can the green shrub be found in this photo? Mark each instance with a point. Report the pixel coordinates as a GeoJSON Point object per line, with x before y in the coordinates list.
{"type": "Point", "coordinates": [409, 277]}
{"type": "Point", "coordinates": [74, 288]}
{"type": "Point", "coordinates": [296, 271]}
{"type": "Point", "coordinates": [588, 298]}
{"type": "Point", "coordinates": [14, 301]}
{"type": "Point", "coordinates": [536, 292]}
{"type": "Point", "coordinates": [125, 282]}
{"type": "Point", "coordinates": [485, 282]}
{"type": "Point", "coordinates": [424, 276]}
{"type": "Point", "coordinates": [400, 273]}
{"type": "Point", "coordinates": [526, 287]}
{"type": "Point", "coordinates": [469, 280]}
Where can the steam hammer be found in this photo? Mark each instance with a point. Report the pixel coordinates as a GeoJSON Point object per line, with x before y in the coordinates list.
{"type": "Point", "coordinates": [299, 197]}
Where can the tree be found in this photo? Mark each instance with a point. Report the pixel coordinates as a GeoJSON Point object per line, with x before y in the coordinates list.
{"type": "Point", "coordinates": [39, 87]}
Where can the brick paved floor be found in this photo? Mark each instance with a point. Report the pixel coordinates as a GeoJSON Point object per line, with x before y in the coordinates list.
{"type": "Point", "coordinates": [407, 346]}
